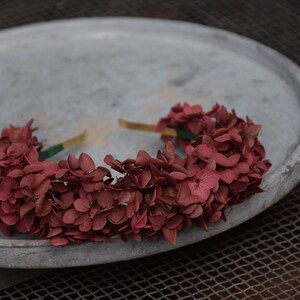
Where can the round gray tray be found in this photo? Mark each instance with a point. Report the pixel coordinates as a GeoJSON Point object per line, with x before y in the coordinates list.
{"type": "Point", "coordinates": [85, 74]}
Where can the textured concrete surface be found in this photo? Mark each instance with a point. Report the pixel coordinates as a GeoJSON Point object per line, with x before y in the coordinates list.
{"type": "Point", "coordinates": [85, 74]}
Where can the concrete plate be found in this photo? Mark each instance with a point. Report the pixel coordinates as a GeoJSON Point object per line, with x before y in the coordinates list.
{"type": "Point", "coordinates": [86, 73]}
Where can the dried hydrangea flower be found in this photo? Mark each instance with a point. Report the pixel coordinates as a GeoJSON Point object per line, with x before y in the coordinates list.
{"type": "Point", "coordinates": [76, 201]}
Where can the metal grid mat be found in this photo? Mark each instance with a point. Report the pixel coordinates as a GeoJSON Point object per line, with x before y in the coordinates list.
{"type": "Point", "coordinates": [257, 260]}
{"type": "Point", "coordinates": [275, 23]}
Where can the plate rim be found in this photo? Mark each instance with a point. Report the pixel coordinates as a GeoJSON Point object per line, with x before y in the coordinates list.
{"type": "Point", "coordinates": [291, 74]}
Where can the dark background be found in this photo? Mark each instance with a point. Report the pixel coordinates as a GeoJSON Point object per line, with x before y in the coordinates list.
{"type": "Point", "coordinates": [257, 260]}
{"type": "Point", "coordinates": [272, 22]}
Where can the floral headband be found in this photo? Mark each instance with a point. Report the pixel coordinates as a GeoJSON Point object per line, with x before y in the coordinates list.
{"type": "Point", "coordinates": [76, 201]}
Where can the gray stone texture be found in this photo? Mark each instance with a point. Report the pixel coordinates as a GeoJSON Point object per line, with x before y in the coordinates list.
{"type": "Point", "coordinates": [85, 74]}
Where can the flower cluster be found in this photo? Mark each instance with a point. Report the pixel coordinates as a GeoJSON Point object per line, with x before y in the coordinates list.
{"type": "Point", "coordinates": [75, 201]}
{"type": "Point", "coordinates": [226, 144]}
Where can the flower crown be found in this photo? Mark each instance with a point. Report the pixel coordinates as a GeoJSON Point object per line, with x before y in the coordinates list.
{"type": "Point", "coordinates": [76, 201]}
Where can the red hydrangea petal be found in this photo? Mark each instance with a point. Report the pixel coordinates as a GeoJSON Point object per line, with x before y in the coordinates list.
{"type": "Point", "coordinates": [125, 197]}
{"type": "Point", "coordinates": [16, 173]}
{"type": "Point", "coordinates": [222, 194]}
{"type": "Point", "coordinates": [144, 178]}
{"type": "Point", "coordinates": [189, 209]}
{"type": "Point", "coordinates": [253, 130]}
{"type": "Point", "coordinates": [54, 232]}
{"type": "Point", "coordinates": [32, 180]}
{"type": "Point", "coordinates": [174, 222]}
{"type": "Point", "coordinates": [89, 186]}
{"type": "Point", "coordinates": [209, 177]}
{"type": "Point", "coordinates": [99, 222]}
{"type": "Point", "coordinates": [61, 173]}
{"type": "Point", "coordinates": [198, 211]}
{"type": "Point", "coordinates": [105, 199]}
{"type": "Point", "coordinates": [67, 200]}
{"type": "Point", "coordinates": [59, 241]}
{"type": "Point", "coordinates": [50, 168]}
{"type": "Point", "coordinates": [5, 193]}
{"type": "Point", "coordinates": [82, 205]}
{"type": "Point", "coordinates": [32, 156]}
{"type": "Point", "coordinates": [17, 149]}
{"type": "Point", "coordinates": [117, 214]}
{"type": "Point", "coordinates": [142, 158]}
{"type": "Point", "coordinates": [261, 165]}
{"type": "Point", "coordinates": [70, 216]}
{"type": "Point", "coordinates": [157, 222]}
{"type": "Point", "coordinates": [180, 117]}
{"type": "Point", "coordinates": [43, 187]}
{"type": "Point", "coordinates": [255, 175]}
{"type": "Point", "coordinates": [202, 223]}
{"type": "Point", "coordinates": [141, 221]}
{"type": "Point", "coordinates": [28, 220]}
{"type": "Point", "coordinates": [86, 225]}
{"type": "Point", "coordinates": [161, 125]}
{"type": "Point", "coordinates": [42, 207]}
{"type": "Point", "coordinates": [194, 126]}
{"type": "Point", "coordinates": [83, 236]}
{"type": "Point", "coordinates": [98, 238]}
{"type": "Point", "coordinates": [10, 219]}
{"type": "Point", "coordinates": [187, 109]}
{"type": "Point", "coordinates": [238, 186]}
{"type": "Point", "coordinates": [189, 149]}
{"type": "Point", "coordinates": [226, 161]}
{"type": "Point", "coordinates": [178, 175]}
{"type": "Point", "coordinates": [116, 165]}
{"type": "Point", "coordinates": [25, 208]}
{"type": "Point", "coordinates": [73, 162]}
{"type": "Point", "coordinates": [242, 167]}
{"type": "Point", "coordinates": [33, 168]}
{"type": "Point", "coordinates": [227, 175]}
{"type": "Point", "coordinates": [170, 235]}
{"type": "Point", "coordinates": [206, 151]}
{"type": "Point", "coordinates": [235, 136]}
{"type": "Point", "coordinates": [215, 217]}
{"type": "Point", "coordinates": [86, 163]}
{"type": "Point", "coordinates": [2, 155]}
{"type": "Point", "coordinates": [223, 138]}
{"type": "Point", "coordinates": [55, 219]}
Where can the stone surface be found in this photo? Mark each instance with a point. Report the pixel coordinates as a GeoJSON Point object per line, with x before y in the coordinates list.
{"type": "Point", "coordinates": [85, 74]}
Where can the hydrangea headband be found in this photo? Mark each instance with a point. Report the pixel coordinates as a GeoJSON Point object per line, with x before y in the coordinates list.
{"type": "Point", "coordinates": [75, 201]}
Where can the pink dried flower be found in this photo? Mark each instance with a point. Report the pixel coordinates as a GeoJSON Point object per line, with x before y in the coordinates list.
{"type": "Point", "coordinates": [75, 201]}
{"type": "Point", "coordinates": [202, 183]}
